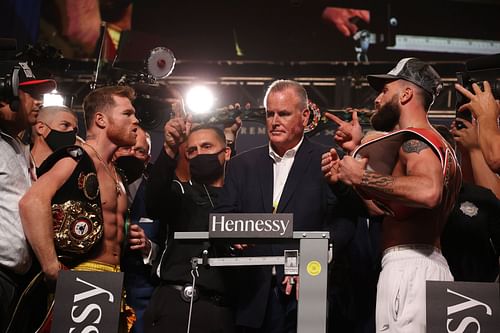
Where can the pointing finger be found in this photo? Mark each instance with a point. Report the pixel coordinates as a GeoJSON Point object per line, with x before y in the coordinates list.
{"type": "Point", "coordinates": [334, 118]}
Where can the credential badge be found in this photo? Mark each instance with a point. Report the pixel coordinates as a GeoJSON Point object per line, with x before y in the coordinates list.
{"type": "Point", "coordinates": [469, 209]}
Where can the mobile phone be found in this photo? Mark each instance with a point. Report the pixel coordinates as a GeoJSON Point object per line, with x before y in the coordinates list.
{"type": "Point", "coordinates": [466, 114]}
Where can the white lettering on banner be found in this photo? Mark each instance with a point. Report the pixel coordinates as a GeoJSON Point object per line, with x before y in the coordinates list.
{"type": "Point", "coordinates": [465, 322]}
{"type": "Point", "coordinates": [253, 130]}
{"type": "Point", "coordinates": [215, 223]}
{"type": "Point", "coordinates": [89, 308]}
{"type": "Point", "coordinates": [259, 225]}
{"type": "Point", "coordinates": [329, 133]}
{"type": "Point", "coordinates": [85, 313]}
{"type": "Point", "coordinates": [249, 225]}
{"type": "Point", "coordinates": [466, 305]}
{"type": "Point", "coordinates": [284, 226]}
{"type": "Point", "coordinates": [91, 293]}
{"type": "Point", "coordinates": [239, 224]}
{"type": "Point", "coordinates": [229, 225]}
{"type": "Point", "coordinates": [88, 329]}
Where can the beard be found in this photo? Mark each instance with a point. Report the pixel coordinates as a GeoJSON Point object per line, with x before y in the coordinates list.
{"type": "Point", "coordinates": [387, 117]}
{"type": "Point", "coordinates": [120, 136]}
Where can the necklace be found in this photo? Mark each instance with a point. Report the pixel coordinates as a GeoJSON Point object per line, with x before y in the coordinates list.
{"type": "Point", "coordinates": [106, 168]}
{"type": "Point", "coordinates": [209, 197]}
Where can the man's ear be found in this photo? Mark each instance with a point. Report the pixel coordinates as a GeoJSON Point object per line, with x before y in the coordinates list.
{"type": "Point", "coordinates": [406, 95]}
{"type": "Point", "coordinates": [227, 153]}
{"type": "Point", "coordinates": [305, 114]}
{"type": "Point", "coordinates": [100, 120]}
{"type": "Point", "coordinates": [39, 128]}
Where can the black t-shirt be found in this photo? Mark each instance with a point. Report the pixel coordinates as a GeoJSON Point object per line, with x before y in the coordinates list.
{"type": "Point", "coordinates": [184, 206]}
{"type": "Point", "coordinates": [471, 238]}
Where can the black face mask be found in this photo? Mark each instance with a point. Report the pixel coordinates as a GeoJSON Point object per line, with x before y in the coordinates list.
{"type": "Point", "coordinates": [131, 166]}
{"type": "Point", "coordinates": [206, 168]}
{"type": "Point", "coordinates": [57, 139]}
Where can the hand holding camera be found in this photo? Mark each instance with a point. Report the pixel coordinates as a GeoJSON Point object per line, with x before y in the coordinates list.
{"type": "Point", "coordinates": [465, 133]}
{"type": "Point", "coordinates": [482, 103]}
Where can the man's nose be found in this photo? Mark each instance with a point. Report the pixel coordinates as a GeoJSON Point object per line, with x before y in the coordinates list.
{"type": "Point", "coordinates": [135, 120]}
{"type": "Point", "coordinates": [126, 151]}
{"type": "Point", "coordinates": [275, 120]}
{"type": "Point", "coordinates": [377, 100]}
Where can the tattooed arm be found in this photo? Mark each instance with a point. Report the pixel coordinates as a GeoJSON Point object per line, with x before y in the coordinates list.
{"type": "Point", "coordinates": [416, 180]}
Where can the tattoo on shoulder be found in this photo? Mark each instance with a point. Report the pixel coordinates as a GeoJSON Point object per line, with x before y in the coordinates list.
{"type": "Point", "coordinates": [414, 146]}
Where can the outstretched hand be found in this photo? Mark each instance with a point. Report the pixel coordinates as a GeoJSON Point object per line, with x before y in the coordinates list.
{"type": "Point", "coordinates": [330, 166]}
{"type": "Point", "coordinates": [481, 103]}
{"type": "Point", "coordinates": [348, 134]}
{"type": "Point", "coordinates": [231, 128]}
{"type": "Point", "coordinates": [342, 18]}
{"type": "Point", "coordinates": [176, 131]}
{"type": "Point", "coordinates": [466, 137]}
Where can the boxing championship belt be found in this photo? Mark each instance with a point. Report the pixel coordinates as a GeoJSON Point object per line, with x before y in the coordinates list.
{"type": "Point", "coordinates": [77, 223]}
{"type": "Point", "coordinates": [383, 152]}
{"type": "Point", "coordinates": [76, 206]}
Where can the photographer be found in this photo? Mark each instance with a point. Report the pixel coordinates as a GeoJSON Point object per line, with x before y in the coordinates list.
{"type": "Point", "coordinates": [474, 166]}
{"type": "Point", "coordinates": [485, 110]}
{"type": "Point", "coordinates": [471, 238]}
{"type": "Point", "coordinates": [19, 108]}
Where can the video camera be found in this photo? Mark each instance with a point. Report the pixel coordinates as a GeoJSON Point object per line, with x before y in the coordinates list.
{"type": "Point", "coordinates": [23, 69]}
{"type": "Point", "coordinates": [141, 65]}
{"type": "Point", "coordinates": [477, 71]}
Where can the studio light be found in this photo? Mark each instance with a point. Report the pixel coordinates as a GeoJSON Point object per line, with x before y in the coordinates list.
{"type": "Point", "coordinates": [54, 98]}
{"type": "Point", "coordinates": [199, 99]}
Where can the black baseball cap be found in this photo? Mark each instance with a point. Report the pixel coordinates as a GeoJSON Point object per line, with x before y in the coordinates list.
{"type": "Point", "coordinates": [19, 75]}
{"type": "Point", "coordinates": [413, 70]}
{"type": "Point", "coordinates": [29, 82]}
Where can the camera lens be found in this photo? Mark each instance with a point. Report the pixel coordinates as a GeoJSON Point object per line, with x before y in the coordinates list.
{"type": "Point", "coordinates": [459, 125]}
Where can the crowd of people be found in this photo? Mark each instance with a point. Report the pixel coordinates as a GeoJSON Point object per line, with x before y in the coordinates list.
{"type": "Point", "coordinates": [405, 203]}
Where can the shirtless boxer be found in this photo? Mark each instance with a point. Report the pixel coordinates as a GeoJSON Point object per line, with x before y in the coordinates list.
{"type": "Point", "coordinates": [84, 178]}
{"type": "Point", "coordinates": [412, 175]}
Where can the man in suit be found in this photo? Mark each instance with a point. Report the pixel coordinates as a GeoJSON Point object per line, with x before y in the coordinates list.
{"type": "Point", "coordinates": [282, 177]}
{"type": "Point", "coordinates": [139, 281]}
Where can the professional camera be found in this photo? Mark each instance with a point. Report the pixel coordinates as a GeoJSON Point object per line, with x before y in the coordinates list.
{"type": "Point", "coordinates": [21, 70]}
{"type": "Point", "coordinates": [477, 71]}
{"type": "Point", "coordinates": [141, 66]}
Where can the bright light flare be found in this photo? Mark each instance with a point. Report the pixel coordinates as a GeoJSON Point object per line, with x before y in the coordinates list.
{"type": "Point", "coordinates": [200, 99]}
{"type": "Point", "coordinates": [53, 99]}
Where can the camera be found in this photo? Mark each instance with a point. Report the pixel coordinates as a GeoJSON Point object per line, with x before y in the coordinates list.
{"type": "Point", "coordinates": [477, 71]}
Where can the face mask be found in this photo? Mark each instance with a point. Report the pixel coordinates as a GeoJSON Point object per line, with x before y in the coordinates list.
{"type": "Point", "coordinates": [206, 168]}
{"type": "Point", "coordinates": [57, 139]}
{"type": "Point", "coordinates": [131, 166]}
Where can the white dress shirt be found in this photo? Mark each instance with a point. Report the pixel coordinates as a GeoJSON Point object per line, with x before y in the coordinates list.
{"type": "Point", "coordinates": [281, 169]}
